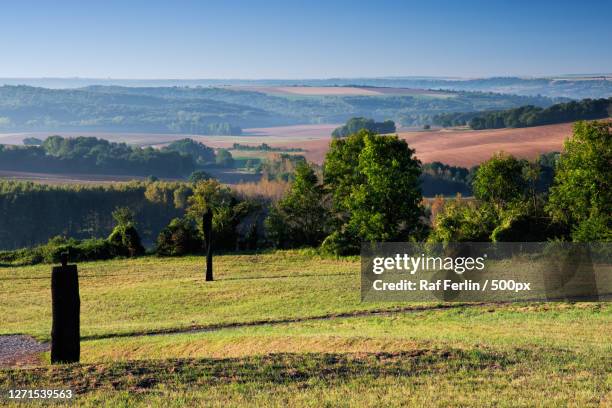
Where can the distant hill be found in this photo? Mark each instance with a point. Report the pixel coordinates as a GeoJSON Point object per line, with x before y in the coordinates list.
{"type": "Point", "coordinates": [568, 86]}
{"type": "Point", "coordinates": [224, 110]}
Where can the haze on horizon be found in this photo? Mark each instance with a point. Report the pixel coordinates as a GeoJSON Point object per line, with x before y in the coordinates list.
{"type": "Point", "coordinates": [294, 40]}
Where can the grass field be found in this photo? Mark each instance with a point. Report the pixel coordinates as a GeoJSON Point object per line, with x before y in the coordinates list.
{"type": "Point", "coordinates": [288, 329]}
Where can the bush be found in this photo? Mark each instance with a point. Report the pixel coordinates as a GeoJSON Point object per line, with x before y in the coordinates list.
{"type": "Point", "coordinates": [224, 158]}
{"type": "Point", "coordinates": [78, 251]}
{"type": "Point", "coordinates": [464, 221]}
{"type": "Point", "coordinates": [199, 175]}
{"type": "Point", "coordinates": [527, 228]}
{"type": "Point", "coordinates": [340, 243]}
{"type": "Point", "coordinates": [180, 237]}
{"type": "Point", "coordinates": [125, 241]}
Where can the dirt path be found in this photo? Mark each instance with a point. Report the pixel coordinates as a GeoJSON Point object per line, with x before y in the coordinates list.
{"type": "Point", "coordinates": [18, 350]}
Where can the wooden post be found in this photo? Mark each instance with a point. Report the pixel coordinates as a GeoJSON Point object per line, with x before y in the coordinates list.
{"type": "Point", "coordinates": [208, 247]}
{"type": "Point", "coordinates": [66, 305]}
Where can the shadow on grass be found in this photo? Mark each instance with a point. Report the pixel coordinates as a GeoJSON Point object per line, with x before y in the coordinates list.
{"type": "Point", "coordinates": [284, 368]}
{"type": "Point", "coordinates": [220, 326]}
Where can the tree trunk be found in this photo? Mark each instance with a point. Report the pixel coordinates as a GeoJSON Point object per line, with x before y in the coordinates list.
{"type": "Point", "coordinates": [208, 239]}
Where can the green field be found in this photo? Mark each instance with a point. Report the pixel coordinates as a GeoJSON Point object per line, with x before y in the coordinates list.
{"type": "Point", "coordinates": [288, 329]}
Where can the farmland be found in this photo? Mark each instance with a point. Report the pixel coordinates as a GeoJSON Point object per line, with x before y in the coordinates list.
{"type": "Point", "coordinates": [453, 146]}
{"type": "Point", "coordinates": [461, 147]}
{"type": "Point", "coordinates": [287, 328]}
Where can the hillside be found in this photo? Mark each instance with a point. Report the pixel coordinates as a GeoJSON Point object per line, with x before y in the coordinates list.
{"type": "Point", "coordinates": [225, 111]}
{"type": "Point", "coordinates": [569, 86]}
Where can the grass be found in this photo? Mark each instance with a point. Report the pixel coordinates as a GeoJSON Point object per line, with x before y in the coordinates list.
{"type": "Point", "coordinates": [287, 329]}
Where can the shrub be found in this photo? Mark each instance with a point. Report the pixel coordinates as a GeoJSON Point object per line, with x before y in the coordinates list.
{"type": "Point", "coordinates": [78, 251]}
{"type": "Point", "coordinates": [464, 221]}
{"type": "Point", "coordinates": [125, 241]}
{"type": "Point", "coordinates": [180, 237]}
{"type": "Point", "coordinates": [199, 175]}
{"type": "Point", "coordinates": [526, 228]}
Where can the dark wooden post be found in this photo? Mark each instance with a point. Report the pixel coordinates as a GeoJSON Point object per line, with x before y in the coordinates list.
{"type": "Point", "coordinates": [208, 239]}
{"type": "Point", "coordinates": [66, 305]}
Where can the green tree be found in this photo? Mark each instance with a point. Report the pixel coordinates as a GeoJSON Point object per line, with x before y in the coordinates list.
{"type": "Point", "coordinates": [228, 212]}
{"type": "Point", "coordinates": [198, 175]}
{"type": "Point", "coordinates": [32, 141]}
{"type": "Point", "coordinates": [123, 216]}
{"type": "Point", "coordinates": [179, 238]}
{"type": "Point", "coordinates": [125, 238]}
{"type": "Point", "coordinates": [501, 180]}
{"type": "Point", "coordinates": [354, 125]}
{"type": "Point", "coordinates": [201, 153]}
{"type": "Point", "coordinates": [581, 196]}
{"type": "Point", "coordinates": [464, 221]}
{"type": "Point", "coordinates": [301, 217]}
{"type": "Point", "coordinates": [374, 182]}
{"type": "Point", "coordinates": [224, 158]}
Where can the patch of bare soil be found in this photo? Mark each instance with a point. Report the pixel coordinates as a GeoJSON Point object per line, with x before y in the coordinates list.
{"type": "Point", "coordinates": [19, 350]}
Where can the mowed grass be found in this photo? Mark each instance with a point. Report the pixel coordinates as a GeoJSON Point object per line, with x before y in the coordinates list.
{"type": "Point", "coordinates": [150, 294]}
{"type": "Point", "coordinates": [287, 329]}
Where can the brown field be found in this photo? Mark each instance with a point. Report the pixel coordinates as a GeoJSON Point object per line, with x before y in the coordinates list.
{"type": "Point", "coordinates": [339, 91]}
{"type": "Point", "coordinates": [469, 147]}
{"type": "Point", "coordinates": [277, 136]}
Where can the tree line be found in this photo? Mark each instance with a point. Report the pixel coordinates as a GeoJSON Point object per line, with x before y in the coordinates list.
{"type": "Point", "coordinates": [354, 125]}
{"type": "Point", "coordinates": [94, 156]}
{"type": "Point", "coordinates": [91, 155]}
{"type": "Point", "coordinates": [530, 115]}
{"type": "Point", "coordinates": [368, 190]}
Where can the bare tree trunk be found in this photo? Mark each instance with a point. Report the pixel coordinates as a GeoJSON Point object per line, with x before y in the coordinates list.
{"type": "Point", "coordinates": [208, 239]}
{"type": "Point", "coordinates": [66, 305]}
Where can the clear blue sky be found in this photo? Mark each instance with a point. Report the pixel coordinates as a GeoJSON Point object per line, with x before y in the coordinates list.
{"type": "Point", "coordinates": [306, 39]}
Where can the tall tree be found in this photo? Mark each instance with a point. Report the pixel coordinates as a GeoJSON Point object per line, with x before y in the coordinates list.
{"type": "Point", "coordinates": [581, 196]}
{"type": "Point", "coordinates": [501, 180]}
{"type": "Point", "coordinates": [374, 182]}
{"type": "Point", "coordinates": [208, 197]}
{"type": "Point", "coordinates": [301, 217]}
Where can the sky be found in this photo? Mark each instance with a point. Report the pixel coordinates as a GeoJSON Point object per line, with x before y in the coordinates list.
{"type": "Point", "coordinates": [288, 39]}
